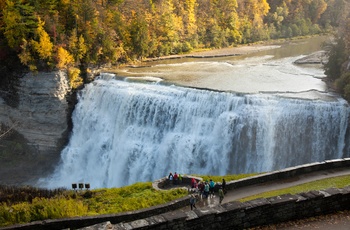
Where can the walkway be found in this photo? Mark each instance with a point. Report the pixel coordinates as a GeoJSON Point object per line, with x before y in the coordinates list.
{"type": "Point", "coordinates": [342, 221]}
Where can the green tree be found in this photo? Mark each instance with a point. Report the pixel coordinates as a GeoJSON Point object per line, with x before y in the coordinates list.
{"type": "Point", "coordinates": [19, 22]}
{"type": "Point", "coordinates": [336, 57]}
{"type": "Point", "coordinates": [77, 46]}
{"type": "Point", "coordinates": [139, 35]}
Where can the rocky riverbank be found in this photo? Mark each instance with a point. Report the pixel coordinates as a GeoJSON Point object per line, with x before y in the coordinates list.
{"type": "Point", "coordinates": [319, 57]}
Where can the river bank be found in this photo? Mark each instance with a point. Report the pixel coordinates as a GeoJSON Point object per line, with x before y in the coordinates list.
{"type": "Point", "coordinates": [245, 49]}
{"type": "Point", "coordinates": [223, 52]}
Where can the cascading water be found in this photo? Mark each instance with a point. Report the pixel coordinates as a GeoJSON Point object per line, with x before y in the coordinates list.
{"type": "Point", "coordinates": [128, 132]}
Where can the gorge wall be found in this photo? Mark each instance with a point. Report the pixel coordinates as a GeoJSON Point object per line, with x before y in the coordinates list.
{"type": "Point", "coordinates": [39, 126]}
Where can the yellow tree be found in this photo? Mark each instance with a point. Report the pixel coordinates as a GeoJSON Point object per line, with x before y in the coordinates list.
{"type": "Point", "coordinates": [228, 20]}
{"type": "Point", "coordinates": [185, 10]}
{"type": "Point", "coordinates": [64, 58]}
{"type": "Point", "coordinates": [255, 10]}
{"type": "Point", "coordinates": [42, 44]}
{"type": "Point", "coordinates": [166, 27]}
{"type": "Point", "coordinates": [77, 46]}
{"type": "Point", "coordinates": [252, 14]}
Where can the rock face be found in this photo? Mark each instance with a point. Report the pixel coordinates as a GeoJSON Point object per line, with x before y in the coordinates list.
{"type": "Point", "coordinates": [41, 116]}
{"type": "Point", "coordinates": [40, 121]}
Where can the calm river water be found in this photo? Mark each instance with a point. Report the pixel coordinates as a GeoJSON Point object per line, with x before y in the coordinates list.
{"type": "Point", "coordinates": [268, 71]}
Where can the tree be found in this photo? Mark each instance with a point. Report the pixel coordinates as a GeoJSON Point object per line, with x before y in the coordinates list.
{"type": "Point", "coordinates": [252, 13]}
{"type": "Point", "coordinates": [316, 9]}
{"type": "Point", "coordinates": [337, 68]}
{"type": "Point", "coordinates": [139, 36]}
{"type": "Point", "coordinates": [19, 22]}
{"type": "Point", "coordinates": [41, 42]}
{"type": "Point", "coordinates": [77, 46]}
{"type": "Point", "coordinates": [64, 58]}
{"type": "Point", "coordinates": [335, 12]}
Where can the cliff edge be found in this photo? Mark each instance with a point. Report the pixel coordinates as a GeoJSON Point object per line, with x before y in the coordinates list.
{"type": "Point", "coordinates": [39, 127]}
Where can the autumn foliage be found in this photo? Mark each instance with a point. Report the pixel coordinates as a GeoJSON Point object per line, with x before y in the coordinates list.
{"type": "Point", "coordinates": [48, 34]}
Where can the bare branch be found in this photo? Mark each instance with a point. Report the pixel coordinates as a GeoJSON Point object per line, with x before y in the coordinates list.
{"type": "Point", "coordinates": [7, 131]}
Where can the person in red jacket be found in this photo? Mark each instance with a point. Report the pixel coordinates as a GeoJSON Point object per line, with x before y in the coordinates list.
{"type": "Point", "coordinates": [176, 178]}
{"type": "Point", "coordinates": [193, 182]}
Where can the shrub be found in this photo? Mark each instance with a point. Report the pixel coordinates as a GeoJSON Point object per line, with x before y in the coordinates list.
{"type": "Point", "coordinates": [186, 47]}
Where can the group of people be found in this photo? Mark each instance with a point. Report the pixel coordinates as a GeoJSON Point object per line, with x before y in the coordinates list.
{"type": "Point", "coordinates": [202, 189]}
{"type": "Point", "coordinates": [207, 189]}
{"type": "Point", "coordinates": [175, 179]}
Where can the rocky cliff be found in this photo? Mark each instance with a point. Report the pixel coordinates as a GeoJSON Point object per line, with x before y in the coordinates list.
{"type": "Point", "coordinates": [40, 125]}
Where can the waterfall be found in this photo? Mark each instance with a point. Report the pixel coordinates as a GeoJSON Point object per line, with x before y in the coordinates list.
{"type": "Point", "coordinates": [126, 132]}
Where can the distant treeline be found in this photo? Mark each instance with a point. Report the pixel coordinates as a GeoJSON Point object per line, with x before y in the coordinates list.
{"type": "Point", "coordinates": [49, 34]}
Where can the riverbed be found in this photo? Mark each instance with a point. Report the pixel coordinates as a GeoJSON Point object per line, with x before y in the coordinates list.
{"type": "Point", "coordinates": [250, 69]}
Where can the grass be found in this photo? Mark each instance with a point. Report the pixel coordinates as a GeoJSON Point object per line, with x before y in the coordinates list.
{"type": "Point", "coordinates": [16, 207]}
{"type": "Point", "coordinates": [335, 182]}
{"type": "Point", "coordinates": [129, 198]}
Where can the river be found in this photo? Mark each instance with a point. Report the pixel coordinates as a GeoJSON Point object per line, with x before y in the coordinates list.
{"type": "Point", "coordinates": [269, 70]}
{"type": "Point", "coordinates": [253, 113]}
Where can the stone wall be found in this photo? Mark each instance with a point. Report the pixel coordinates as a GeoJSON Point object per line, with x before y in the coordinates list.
{"type": "Point", "coordinates": [289, 173]}
{"type": "Point", "coordinates": [232, 215]}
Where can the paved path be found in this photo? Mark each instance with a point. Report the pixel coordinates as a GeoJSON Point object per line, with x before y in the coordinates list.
{"type": "Point", "coordinates": [342, 221]}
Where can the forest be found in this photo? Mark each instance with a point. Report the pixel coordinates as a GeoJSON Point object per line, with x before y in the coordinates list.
{"type": "Point", "coordinates": [337, 68]}
{"type": "Point", "coordinates": [43, 35]}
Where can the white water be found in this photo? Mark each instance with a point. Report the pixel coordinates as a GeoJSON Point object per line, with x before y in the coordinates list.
{"type": "Point", "coordinates": [128, 132]}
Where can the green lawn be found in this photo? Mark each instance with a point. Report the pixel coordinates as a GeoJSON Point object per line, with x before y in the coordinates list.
{"type": "Point", "coordinates": [71, 203]}
{"type": "Point", "coordinates": [336, 182]}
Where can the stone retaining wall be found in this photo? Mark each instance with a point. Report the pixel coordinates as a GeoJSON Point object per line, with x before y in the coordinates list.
{"type": "Point", "coordinates": [231, 215]}
{"type": "Point", "coordinates": [289, 173]}
{"type": "Point", "coordinates": [236, 215]}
